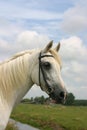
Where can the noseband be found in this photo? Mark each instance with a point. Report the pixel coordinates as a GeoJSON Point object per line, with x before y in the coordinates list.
{"type": "Point", "coordinates": [43, 73]}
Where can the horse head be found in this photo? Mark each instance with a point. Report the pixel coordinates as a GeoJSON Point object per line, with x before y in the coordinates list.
{"type": "Point", "coordinates": [49, 73]}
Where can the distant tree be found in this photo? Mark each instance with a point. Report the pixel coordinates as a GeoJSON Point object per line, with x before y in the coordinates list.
{"type": "Point", "coordinates": [32, 99]}
{"type": "Point", "coordinates": [26, 100]}
{"type": "Point", "coordinates": [36, 99]}
{"type": "Point", "coordinates": [80, 102]}
{"type": "Point", "coordinates": [42, 99]}
{"type": "Point", "coordinates": [39, 100]}
{"type": "Point", "coordinates": [70, 99]}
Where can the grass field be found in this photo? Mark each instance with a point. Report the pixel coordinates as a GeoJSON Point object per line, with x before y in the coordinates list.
{"type": "Point", "coordinates": [11, 126]}
{"type": "Point", "coordinates": [55, 117]}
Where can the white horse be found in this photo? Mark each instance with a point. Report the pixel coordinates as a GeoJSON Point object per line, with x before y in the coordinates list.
{"type": "Point", "coordinates": [19, 73]}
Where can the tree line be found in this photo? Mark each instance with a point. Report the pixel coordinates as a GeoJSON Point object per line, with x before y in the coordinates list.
{"type": "Point", "coordinates": [69, 101]}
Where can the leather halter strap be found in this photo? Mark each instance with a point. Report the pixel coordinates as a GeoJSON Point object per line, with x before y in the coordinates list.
{"type": "Point", "coordinates": [43, 73]}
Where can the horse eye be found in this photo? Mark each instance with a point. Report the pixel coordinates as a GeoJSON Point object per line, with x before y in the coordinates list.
{"type": "Point", "coordinates": [47, 65]}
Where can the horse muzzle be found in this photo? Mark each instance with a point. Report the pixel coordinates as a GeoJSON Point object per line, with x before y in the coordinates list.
{"type": "Point", "coordinates": [58, 97]}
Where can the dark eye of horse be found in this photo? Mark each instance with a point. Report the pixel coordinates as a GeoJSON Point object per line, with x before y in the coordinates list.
{"type": "Point", "coordinates": [46, 65]}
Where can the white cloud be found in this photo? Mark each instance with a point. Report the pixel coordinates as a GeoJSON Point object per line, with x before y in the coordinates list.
{"type": "Point", "coordinates": [75, 18]}
{"type": "Point", "coordinates": [4, 48]}
{"type": "Point", "coordinates": [31, 39]}
{"type": "Point", "coordinates": [35, 91]}
{"type": "Point", "coordinates": [8, 29]}
{"type": "Point", "coordinates": [73, 48]}
{"type": "Point", "coordinates": [74, 53]}
{"type": "Point", "coordinates": [3, 44]}
{"type": "Point", "coordinates": [24, 41]}
{"type": "Point", "coordinates": [79, 92]}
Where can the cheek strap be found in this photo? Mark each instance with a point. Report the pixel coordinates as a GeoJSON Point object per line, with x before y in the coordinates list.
{"type": "Point", "coordinates": [43, 73]}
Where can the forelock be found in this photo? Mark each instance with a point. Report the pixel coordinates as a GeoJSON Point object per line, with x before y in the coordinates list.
{"type": "Point", "coordinates": [56, 56]}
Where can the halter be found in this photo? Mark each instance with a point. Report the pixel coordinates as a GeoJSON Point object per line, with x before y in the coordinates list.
{"type": "Point", "coordinates": [43, 73]}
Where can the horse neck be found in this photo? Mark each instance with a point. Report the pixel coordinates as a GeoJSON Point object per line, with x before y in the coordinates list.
{"type": "Point", "coordinates": [26, 81]}
{"type": "Point", "coordinates": [17, 81]}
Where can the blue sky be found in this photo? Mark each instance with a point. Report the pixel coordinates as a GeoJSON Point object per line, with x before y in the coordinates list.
{"type": "Point", "coordinates": [27, 24]}
{"type": "Point", "coordinates": [46, 17]}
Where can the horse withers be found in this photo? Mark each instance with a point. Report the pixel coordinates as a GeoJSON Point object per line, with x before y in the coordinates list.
{"type": "Point", "coordinates": [19, 73]}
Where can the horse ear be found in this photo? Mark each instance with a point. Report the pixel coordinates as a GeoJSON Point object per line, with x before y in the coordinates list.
{"type": "Point", "coordinates": [57, 47]}
{"type": "Point", "coordinates": [47, 48]}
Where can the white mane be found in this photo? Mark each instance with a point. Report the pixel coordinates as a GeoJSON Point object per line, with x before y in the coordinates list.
{"type": "Point", "coordinates": [18, 55]}
{"type": "Point", "coordinates": [13, 72]}
{"type": "Point", "coordinates": [14, 82]}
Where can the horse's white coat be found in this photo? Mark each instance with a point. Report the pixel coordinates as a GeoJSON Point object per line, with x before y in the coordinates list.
{"type": "Point", "coordinates": [17, 75]}
{"type": "Point", "coordinates": [15, 81]}
{"type": "Point", "coordinates": [4, 114]}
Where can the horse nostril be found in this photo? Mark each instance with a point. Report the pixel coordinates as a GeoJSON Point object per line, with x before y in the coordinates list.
{"type": "Point", "coordinates": [62, 95]}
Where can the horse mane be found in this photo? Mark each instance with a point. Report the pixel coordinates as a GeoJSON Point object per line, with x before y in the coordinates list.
{"type": "Point", "coordinates": [13, 73]}
{"type": "Point", "coordinates": [17, 55]}
{"type": "Point", "coordinates": [53, 52]}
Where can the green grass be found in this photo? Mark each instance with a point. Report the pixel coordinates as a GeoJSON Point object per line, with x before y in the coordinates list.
{"type": "Point", "coordinates": [11, 126]}
{"type": "Point", "coordinates": [52, 117]}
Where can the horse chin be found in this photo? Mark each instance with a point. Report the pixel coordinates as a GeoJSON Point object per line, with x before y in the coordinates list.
{"type": "Point", "coordinates": [56, 99]}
